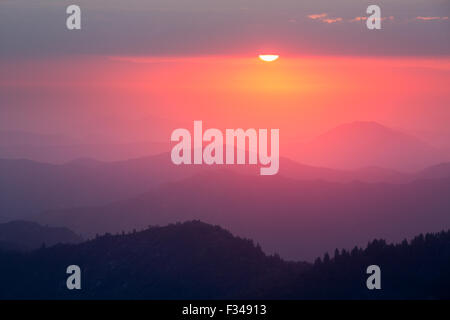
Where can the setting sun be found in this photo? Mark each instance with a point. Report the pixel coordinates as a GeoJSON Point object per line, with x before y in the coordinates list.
{"type": "Point", "coordinates": [268, 57]}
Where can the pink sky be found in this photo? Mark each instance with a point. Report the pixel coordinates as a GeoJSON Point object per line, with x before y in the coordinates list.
{"type": "Point", "coordinates": [302, 95]}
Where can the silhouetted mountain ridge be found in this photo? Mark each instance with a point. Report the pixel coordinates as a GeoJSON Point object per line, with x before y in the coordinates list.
{"type": "Point", "coordinates": [194, 260]}
{"type": "Point", "coordinates": [27, 235]}
{"type": "Point", "coordinates": [188, 260]}
{"type": "Point", "coordinates": [318, 213]}
{"type": "Point", "coordinates": [87, 182]}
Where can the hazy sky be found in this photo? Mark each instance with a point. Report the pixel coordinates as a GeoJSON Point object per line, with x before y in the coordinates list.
{"type": "Point", "coordinates": [137, 66]}
{"type": "Point", "coordinates": [181, 27]}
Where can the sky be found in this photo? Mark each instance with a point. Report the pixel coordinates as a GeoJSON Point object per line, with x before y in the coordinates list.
{"type": "Point", "coordinates": [140, 68]}
{"type": "Point", "coordinates": [202, 27]}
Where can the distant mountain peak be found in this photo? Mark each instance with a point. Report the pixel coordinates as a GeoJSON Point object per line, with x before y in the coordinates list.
{"type": "Point", "coordinates": [366, 124]}
{"type": "Point", "coordinates": [369, 144]}
{"type": "Point", "coordinates": [364, 128]}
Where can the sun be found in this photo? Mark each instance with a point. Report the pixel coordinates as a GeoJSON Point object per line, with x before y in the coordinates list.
{"type": "Point", "coordinates": [269, 57]}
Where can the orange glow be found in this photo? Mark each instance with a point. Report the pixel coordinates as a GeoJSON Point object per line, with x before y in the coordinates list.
{"type": "Point", "coordinates": [303, 96]}
{"type": "Point", "coordinates": [268, 57]}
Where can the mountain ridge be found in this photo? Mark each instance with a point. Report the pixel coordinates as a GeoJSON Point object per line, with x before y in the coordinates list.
{"type": "Point", "coordinates": [285, 208]}
{"type": "Point", "coordinates": [28, 235]}
{"type": "Point", "coordinates": [195, 260]}
{"type": "Point", "coordinates": [367, 143]}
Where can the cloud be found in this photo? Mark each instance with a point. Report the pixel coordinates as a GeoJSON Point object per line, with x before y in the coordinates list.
{"type": "Point", "coordinates": [319, 16]}
{"type": "Point", "coordinates": [358, 19]}
{"type": "Point", "coordinates": [431, 18]}
{"type": "Point", "coordinates": [332, 20]}
{"type": "Point", "coordinates": [323, 18]}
